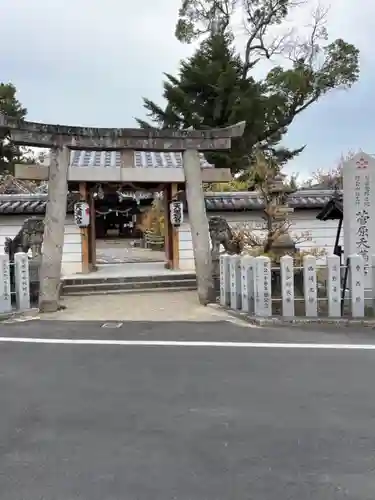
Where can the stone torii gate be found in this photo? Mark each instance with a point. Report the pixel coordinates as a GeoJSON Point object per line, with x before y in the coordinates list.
{"type": "Point", "coordinates": [60, 139]}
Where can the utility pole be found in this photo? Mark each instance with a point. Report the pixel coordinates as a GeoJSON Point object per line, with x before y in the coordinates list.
{"type": "Point", "coordinates": [54, 225]}
{"type": "Point", "coordinates": [199, 226]}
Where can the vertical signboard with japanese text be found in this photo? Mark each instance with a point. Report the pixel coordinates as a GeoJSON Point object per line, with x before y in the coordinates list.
{"type": "Point", "coordinates": [359, 219]}
{"type": "Point", "coordinates": [310, 290]}
{"type": "Point", "coordinates": [287, 285]}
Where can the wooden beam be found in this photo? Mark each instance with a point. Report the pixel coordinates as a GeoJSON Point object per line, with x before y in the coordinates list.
{"type": "Point", "coordinates": [92, 233]}
{"type": "Point", "coordinates": [85, 234]}
{"type": "Point", "coordinates": [175, 234]}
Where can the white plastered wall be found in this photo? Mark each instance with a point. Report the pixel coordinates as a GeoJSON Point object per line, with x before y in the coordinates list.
{"type": "Point", "coordinates": [317, 234]}
{"type": "Point", "coordinates": [72, 251]}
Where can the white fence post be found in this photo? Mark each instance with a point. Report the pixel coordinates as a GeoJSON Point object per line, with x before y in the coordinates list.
{"type": "Point", "coordinates": [310, 286]}
{"type": "Point", "coordinates": [263, 292]}
{"type": "Point", "coordinates": [287, 285]}
{"type": "Point", "coordinates": [5, 292]}
{"type": "Point", "coordinates": [22, 280]}
{"type": "Point", "coordinates": [235, 281]}
{"type": "Point", "coordinates": [357, 286]}
{"type": "Point", "coordinates": [247, 283]}
{"type": "Point", "coordinates": [224, 280]}
{"type": "Point", "coordinates": [334, 286]}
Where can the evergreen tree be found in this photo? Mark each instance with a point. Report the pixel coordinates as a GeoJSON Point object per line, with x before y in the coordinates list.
{"type": "Point", "coordinates": [209, 93]}
{"type": "Point", "coordinates": [10, 106]}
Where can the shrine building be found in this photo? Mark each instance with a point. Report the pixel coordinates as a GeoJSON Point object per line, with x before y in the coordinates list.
{"type": "Point", "coordinates": [118, 206]}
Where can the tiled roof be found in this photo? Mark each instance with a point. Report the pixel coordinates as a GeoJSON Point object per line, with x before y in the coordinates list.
{"type": "Point", "coordinates": [215, 202]}
{"type": "Point", "coordinates": [95, 159]}
{"type": "Point", "coordinates": [239, 201]}
{"type": "Point", "coordinates": [142, 159]}
{"type": "Point", "coordinates": [333, 210]}
{"type": "Point", "coordinates": [28, 204]}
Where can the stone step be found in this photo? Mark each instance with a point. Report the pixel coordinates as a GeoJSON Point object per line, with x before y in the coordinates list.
{"type": "Point", "coordinates": [117, 291]}
{"type": "Point", "coordinates": [135, 286]}
{"type": "Point", "coordinates": [127, 279]}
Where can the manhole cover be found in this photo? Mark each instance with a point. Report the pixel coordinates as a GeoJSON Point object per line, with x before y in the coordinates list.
{"type": "Point", "coordinates": [112, 325]}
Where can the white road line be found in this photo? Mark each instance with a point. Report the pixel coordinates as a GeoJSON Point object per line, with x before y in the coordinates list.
{"type": "Point", "coordinates": [186, 343]}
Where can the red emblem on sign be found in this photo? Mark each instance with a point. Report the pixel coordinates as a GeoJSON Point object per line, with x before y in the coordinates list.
{"type": "Point", "coordinates": [362, 163]}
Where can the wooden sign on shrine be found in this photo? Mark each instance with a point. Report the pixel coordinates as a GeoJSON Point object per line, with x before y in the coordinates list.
{"type": "Point", "coordinates": [61, 139]}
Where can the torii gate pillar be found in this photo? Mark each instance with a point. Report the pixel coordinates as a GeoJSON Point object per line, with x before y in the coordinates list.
{"type": "Point", "coordinates": [61, 139]}
{"type": "Point", "coordinates": [200, 234]}
{"type": "Point", "coordinates": [54, 228]}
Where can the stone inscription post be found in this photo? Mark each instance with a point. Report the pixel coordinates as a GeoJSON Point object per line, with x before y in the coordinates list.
{"type": "Point", "coordinates": [263, 295]}
{"type": "Point", "coordinates": [5, 289]}
{"type": "Point", "coordinates": [22, 281]}
{"type": "Point", "coordinates": [359, 205]}
{"type": "Point", "coordinates": [235, 282]}
{"type": "Point", "coordinates": [287, 285]}
{"type": "Point", "coordinates": [356, 282]}
{"type": "Point", "coordinates": [247, 283]}
{"type": "Point", "coordinates": [333, 286]}
{"type": "Point", "coordinates": [62, 138]}
{"type": "Point", "coordinates": [225, 280]}
{"type": "Point", "coordinates": [310, 290]}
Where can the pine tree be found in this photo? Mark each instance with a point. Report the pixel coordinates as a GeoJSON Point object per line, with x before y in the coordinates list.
{"type": "Point", "coordinates": [10, 106]}
{"type": "Point", "coordinates": [211, 92]}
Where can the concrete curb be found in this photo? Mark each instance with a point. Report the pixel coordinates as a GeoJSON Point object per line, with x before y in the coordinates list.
{"type": "Point", "coordinates": [276, 321]}
{"type": "Point", "coordinates": [19, 314]}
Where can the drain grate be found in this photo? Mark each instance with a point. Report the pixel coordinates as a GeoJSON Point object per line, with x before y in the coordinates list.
{"type": "Point", "coordinates": [112, 325]}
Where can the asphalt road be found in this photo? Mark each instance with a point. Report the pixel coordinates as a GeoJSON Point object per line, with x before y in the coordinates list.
{"type": "Point", "coordinates": [126, 422]}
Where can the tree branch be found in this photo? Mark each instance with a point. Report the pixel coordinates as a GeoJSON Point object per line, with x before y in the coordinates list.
{"type": "Point", "coordinates": [260, 18]}
{"type": "Point", "coordinates": [306, 51]}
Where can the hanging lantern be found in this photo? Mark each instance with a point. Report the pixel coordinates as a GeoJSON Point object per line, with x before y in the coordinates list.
{"type": "Point", "coordinates": [82, 214]}
{"type": "Point", "coordinates": [100, 192]}
{"type": "Point", "coordinates": [176, 213]}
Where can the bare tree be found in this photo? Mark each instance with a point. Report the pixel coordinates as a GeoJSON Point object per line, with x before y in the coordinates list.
{"type": "Point", "coordinates": [312, 65]}
{"type": "Point", "coordinates": [332, 178]}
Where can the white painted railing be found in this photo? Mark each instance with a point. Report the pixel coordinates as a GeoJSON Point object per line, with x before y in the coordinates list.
{"type": "Point", "coordinates": [21, 288]}
{"type": "Point", "coordinates": [246, 285]}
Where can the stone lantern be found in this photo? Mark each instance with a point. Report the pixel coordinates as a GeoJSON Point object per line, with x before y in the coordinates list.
{"type": "Point", "coordinates": [277, 212]}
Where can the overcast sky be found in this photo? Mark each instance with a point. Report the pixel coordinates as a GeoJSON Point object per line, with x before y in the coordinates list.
{"type": "Point", "coordinates": [89, 62]}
